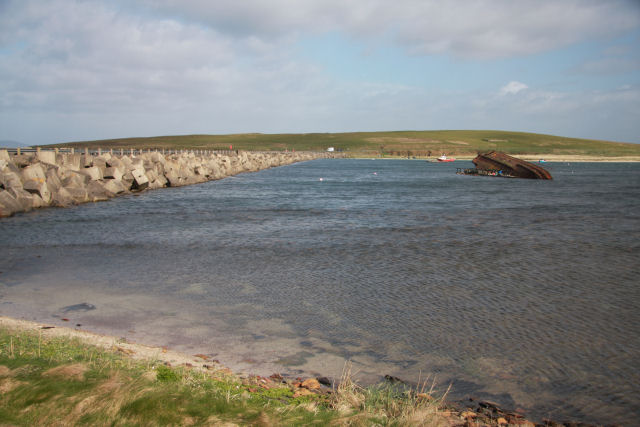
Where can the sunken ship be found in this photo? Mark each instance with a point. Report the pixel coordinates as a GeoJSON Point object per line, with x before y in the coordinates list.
{"type": "Point", "coordinates": [495, 163]}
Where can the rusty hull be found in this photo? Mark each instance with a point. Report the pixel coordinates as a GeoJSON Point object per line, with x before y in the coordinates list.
{"type": "Point", "coordinates": [495, 160]}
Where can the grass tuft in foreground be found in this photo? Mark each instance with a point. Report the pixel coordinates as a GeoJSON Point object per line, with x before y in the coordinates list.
{"type": "Point", "coordinates": [65, 381]}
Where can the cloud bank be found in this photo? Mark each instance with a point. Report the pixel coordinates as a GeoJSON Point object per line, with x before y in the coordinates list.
{"type": "Point", "coordinates": [88, 69]}
{"type": "Point", "coordinates": [475, 28]}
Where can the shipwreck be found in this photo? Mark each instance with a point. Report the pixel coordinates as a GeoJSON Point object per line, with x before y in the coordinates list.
{"type": "Point", "coordinates": [495, 163]}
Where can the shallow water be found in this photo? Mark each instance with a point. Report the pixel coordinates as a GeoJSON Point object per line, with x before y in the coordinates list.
{"type": "Point", "coordinates": [519, 291]}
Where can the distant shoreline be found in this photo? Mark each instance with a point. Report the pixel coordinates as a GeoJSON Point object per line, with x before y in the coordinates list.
{"type": "Point", "coordinates": [420, 144]}
{"type": "Point", "coordinates": [558, 158]}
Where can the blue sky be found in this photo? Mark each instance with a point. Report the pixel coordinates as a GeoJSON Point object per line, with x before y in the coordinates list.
{"type": "Point", "coordinates": [90, 69]}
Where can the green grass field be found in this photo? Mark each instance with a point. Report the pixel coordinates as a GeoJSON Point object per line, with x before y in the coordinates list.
{"type": "Point", "coordinates": [55, 381]}
{"type": "Point", "coordinates": [401, 143]}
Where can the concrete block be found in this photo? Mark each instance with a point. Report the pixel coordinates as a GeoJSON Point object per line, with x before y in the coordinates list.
{"type": "Point", "coordinates": [9, 179]}
{"type": "Point", "coordinates": [24, 199]}
{"type": "Point", "coordinates": [161, 181]}
{"type": "Point", "coordinates": [173, 179]}
{"type": "Point", "coordinates": [114, 162]}
{"type": "Point", "coordinates": [79, 194]}
{"type": "Point", "coordinates": [4, 211]}
{"type": "Point", "coordinates": [93, 172]}
{"type": "Point", "coordinates": [53, 180]}
{"type": "Point", "coordinates": [71, 161]}
{"type": "Point", "coordinates": [97, 192]}
{"type": "Point", "coordinates": [113, 173]}
{"type": "Point", "coordinates": [159, 169]}
{"type": "Point", "coordinates": [171, 166]}
{"type": "Point", "coordinates": [38, 187]}
{"type": "Point", "coordinates": [22, 160]}
{"type": "Point", "coordinates": [115, 186]}
{"type": "Point", "coordinates": [8, 204]}
{"type": "Point", "coordinates": [35, 172]}
{"type": "Point", "coordinates": [39, 203]}
{"type": "Point", "coordinates": [99, 162]}
{"type": "Point", "coordinates": [61, 198]}
{"type": "Point", "coordinates": [151, 175]}
{"type": "Point", "coordinates": [127, 180]}
{"type": "Point", "coordinates": [86, 161]}
{"type": "Point", "coordinates": [47, 156]}
{"type": "Point", "coordinates": [75, 179]}
{"type": "Point", "coordinates": [157, 158]}
{"type": "Point", "coordinates": [126, 161]}
{"type": "Point", "coordinates": [201, 170]}
{"type": "Point", "coordinates": [106, 156]}
{"type": "Point", "coordinates": [140, 180]}
{"type": "Point", "coordinates": [137, 162]}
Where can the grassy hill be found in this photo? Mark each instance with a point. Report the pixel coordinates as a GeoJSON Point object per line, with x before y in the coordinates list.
{"type": "Point", "coordinates": [400, 143]}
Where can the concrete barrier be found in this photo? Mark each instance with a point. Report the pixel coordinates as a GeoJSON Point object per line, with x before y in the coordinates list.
{"type": "Point", "coordinates": [50, 178]}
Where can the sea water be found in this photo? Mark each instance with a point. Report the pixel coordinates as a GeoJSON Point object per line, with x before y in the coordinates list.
{"type": "Point", "coordinates": [523, 292]}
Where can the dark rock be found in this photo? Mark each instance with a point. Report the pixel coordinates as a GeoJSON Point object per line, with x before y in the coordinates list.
{"type": "Point", "coordinates": [393, 379]}
{"type": "Point", "coordinates": [325, 381]}
{"type": "Point", "coordinates": [491, 405]}
{"type": "Point", "coordinates": [78, 307]}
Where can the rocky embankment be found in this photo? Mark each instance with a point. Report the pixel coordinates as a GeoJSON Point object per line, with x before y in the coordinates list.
{"type": "Point", "coordinates": [46, 178]}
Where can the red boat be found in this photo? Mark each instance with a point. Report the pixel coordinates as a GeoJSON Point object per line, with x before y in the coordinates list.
{"type": "Point", "coordinates": [444, 158]}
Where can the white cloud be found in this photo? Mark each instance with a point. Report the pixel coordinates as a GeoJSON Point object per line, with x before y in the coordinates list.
{"type": "Point", "coordinates": [87, 69]}
{"type": "Point", "coordinates": [595, 114]}
{"type": "Point", "coordinates": [463, 28]}
{"type": "Point", "coordinates": [512, 88]}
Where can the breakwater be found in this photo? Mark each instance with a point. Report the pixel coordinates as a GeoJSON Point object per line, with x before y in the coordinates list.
{"type": "Point", "coordinates": [51, 178]}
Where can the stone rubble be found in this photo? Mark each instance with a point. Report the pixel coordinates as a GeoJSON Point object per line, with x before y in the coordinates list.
{"type": "Point", "coordinates": [47, 178]}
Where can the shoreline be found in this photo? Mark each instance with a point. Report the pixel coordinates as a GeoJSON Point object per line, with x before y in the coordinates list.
{"type": "Point", "coordinates": [473, 413]}
{"type": "Point", "coordinates": [549, 158]}
{"type": "Point", "coordinates": [131, 349]}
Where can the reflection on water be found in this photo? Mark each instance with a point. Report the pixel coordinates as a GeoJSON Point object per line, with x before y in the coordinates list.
{"type": "Point", "coordinates": [521, 291]}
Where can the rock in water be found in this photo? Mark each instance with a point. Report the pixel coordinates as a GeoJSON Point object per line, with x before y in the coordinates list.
{"type": "Point", "coordinates": [78, 307]}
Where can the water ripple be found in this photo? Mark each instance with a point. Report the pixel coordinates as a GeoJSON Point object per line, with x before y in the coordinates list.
{"type": "Point", "coordinates": [518, 290]}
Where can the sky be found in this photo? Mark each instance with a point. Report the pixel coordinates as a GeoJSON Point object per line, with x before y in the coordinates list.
{"type": "Point", "coordinates": [75, 70]}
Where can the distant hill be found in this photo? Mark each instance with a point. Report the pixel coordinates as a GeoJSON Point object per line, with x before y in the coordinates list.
{"type": "Point", "coordinates": [400, 143]}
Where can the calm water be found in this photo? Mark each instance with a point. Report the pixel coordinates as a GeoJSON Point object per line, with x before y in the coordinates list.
{"type": "Point", "coordinates": [523, 292]}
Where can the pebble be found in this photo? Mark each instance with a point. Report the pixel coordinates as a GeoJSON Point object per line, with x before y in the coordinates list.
{"type": "Point", "coordinates": [311, 384]}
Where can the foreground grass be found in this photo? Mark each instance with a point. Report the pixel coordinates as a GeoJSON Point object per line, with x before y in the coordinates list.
{"type": "Point", "coordinates": [64, 381]}
{"type": "Point", "coordinates": [401, 143]}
